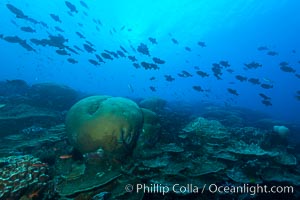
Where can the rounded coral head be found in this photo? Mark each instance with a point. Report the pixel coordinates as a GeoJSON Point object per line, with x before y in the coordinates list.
{"type": "Point", "coordinates": [110, 123]}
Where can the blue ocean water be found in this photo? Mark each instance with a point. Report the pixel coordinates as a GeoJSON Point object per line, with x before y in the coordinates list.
{"type": "Point", "coordinates": [228, 30]}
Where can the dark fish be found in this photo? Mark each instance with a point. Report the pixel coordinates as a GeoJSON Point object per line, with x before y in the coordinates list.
{"type": "Point", "coordinates": [264, 96]}
{"type": "Point", "coordinates": [253, 65]}
{"type": "Point", "coordinates": [202, 74]}
{"type": "Point", "coordinates": [266, 102]}
{"type": "Point", "coordinates": [62, 52]}
{"type": "Point", "coordinates": [89, 43]}
{"type": "Point", "coordinates": [198, 88]}
{"type": "Point", "coordinates": [169, 78]}
{"type": "Point", "coordinates": [230, 70]}
{"type": "Point", "coordinates": [201, 44]}
{"type": "Point", "coordinates": [114, 30]}
{"type": "Point", "coordinates": [55, 18]}
{"type": "Point", "coordinates": [262, 48]}
{"type": "Point", "coordinates": [88, 48]}
{"type": "Point", "coordinates": [297, 75]}
{"type": "Point", "coordinates": [84, 4]}
{"type": "Point", "coordinates": [196, 67]}
{"type": "Point", "coordinates": [123, 49]}
{"type": "Point", "coordinates": [142, 48]}
{"type": "Point", "coordinates": [149, 65]}
{"type": "Point", "coordinates": [152, 78]}
{"type": "Point", "coordinates": [232, 91]}
{"type": "Point", "coordinates": [133, 49]}
{"type": "Point", "coordinates": [136, 65]}
{"type": "Point", "coordinates": [59, 29]}
{"type": "Point", "coordinates": [94, 62]}
{"type": "Point", "coordinates": [217, 70]}
{"type": "Point", "coordinates": [297, 97]}
{"type": "Point", "coordinates": [71, 60]}
{"type": "Point", "coordinates": [174, 41]}
{"type": "Point", "coordinates": [241, 78]}
{"type": "Point", "coordinates": [272, 53]}
{"type": "Point", "coordinates": [72, 50]}
{"type": "Point", "coordinates": [79, 49]}
{"type": "Point", "coordinates": [132, 58]}
{"type": "Point", "coordinates": [152, 40]}
{"type": "Point", "coordinates": [153, 89]}
{"type": "Point", "coordinates": [115, 55]}
{"type": "Point", "coordinates": [28, 29]}
{"type": "Point", "coordinates": [254, 81]}
{"type": "Point", "coordinates": [99, 58]}
{"type": "Point", "coordinates": [120, 53]}
{"type": "Point", "coordinates": [188, 48]}
{"type": "Point", "coordinates": [224, 63]}
{"type": "Point", "coordinates": [72, 7]}
{"type": "Point", "coordinates": [185, 74]}
{"type": "Point", "coordinates": [266, 86]}
{"type": "Point", "coordinates": [284, 67]}
{"type": "Point", "coordinates": [27, 46]}
{"type": "Point", "coordinates": [158, 60]}
{"type": "Point", "coordinates": [106, 56]}
{"type": "Point", "coordinates": [18, 40]}
{"type": "Point", "coordinates": [80, 35]}
{"type": "Point", "coordinates": [19, 13]}
{"type": "Point", "coordinates": [122, 28]}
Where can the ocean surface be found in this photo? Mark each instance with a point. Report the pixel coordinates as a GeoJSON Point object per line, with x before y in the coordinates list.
{"type": "Point", "coordinates": [220, 67]}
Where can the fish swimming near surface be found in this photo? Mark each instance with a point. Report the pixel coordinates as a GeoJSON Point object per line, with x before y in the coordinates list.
{"type": "Point", "coordinates": [169, 78]}
{"type": "Point", "coordinates": [55, 18]}
{"type": "Point", "coordinates": [123, 49]}
{"type": "Point", "coordinates": [72, 60]}
{"type": "Point", "coordinates": [19, 13]}
{"type": "Point", "coordinates": [217, 70]}
{"type": "Point", "coordinates": [18, 40]}
{"type": "Point", "coordinates": [71, 6]}
{"type": "Point", "coordinates": [121, 54]}
{"type": "Point", "coordinates": [174, 41]}
{"type": "Point", "coordinates": [158, 60]}
{"type": "Point", "coordinates": [184, 74]}
{"type": "Point", "coordinates": [152, 40]}
{"type": "Point", "coordinates": [224, 63]}
{"type": "Point", "coordinates": [152, 88]}
{"type": "Point", "coordinates": [132, 58]}
{"type": "Point", "coordinates": [88, 48]}
{"type": "Point", "coordinates": [284, 66]}
{"type": "Point", "coordinates": [62, 52]}
{"type": "Point", "coordinates": [201, 44]}
{"type": "Point", "coordinates": [147, 65]}
{"type": "Point", "coordinates": [152, 78]}
{"type": "Point", "coordinates": [58, 29]}
{"type": "Point", "coordinates": [80, 35]}
{"type": "Point", "coordinates": [253, 65]}
{"type": "Point", "coordinates": [99, 58]}
{"type": "Point", "coordinates": [241, 78]}
{"type": "Point", "coordinates": [142, 48]}
{"type": "Point", "coordinates": [198, 88]}
{"type": "Point", "coordinates": [262, 48]}
{"type": "Point", "coordinates": [136, 65]}
{"type": "Point", "coordinates": [202, 74]}
{"type": "Point", "coordinates": [272, 53]}
{"type": "Point", "coordinates": [27, 29]}
{"type": "Point", "coordinates": [84, 4]}
{"type": "Point", "coordinates": [265, 97]}
{"type": "Point", "coordinates": [188, 49]}
{"type": "Point", "coordinates": [94, 62]}
{"type": "Point", "coordinates": [254, 81]}
{"type": "Point", "coordinates": [232, 91]}
{"type": "Point", "coordinates": [266, 102]}
{"type": "Point", "coordinates": [266, 86]}
{"type": "Point", "coordinates": [106, 56]}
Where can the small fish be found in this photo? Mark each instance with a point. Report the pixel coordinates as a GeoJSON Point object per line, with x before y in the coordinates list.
{"type": "Point", "coordinates": [94, 62]}
{"type": "Point", "coordinates": [88, 48]}
{"type": "Point", "coordinates": [152, 88]}
{"type": "Point", "coordinates": [158, 60]}
{"type": "Point", "coordinates": [188, 49]}
{"type": "Point", "coordinates": [28, 29]}
{"type": "Point", "coordinates": [272, 53]}
{"type": "Point", "coordinates": [266, 86]}
{"type": "Point", "coordinates": [62, 52]}
{"type": "Point", "coordinates": [232, 91]}
{"type": "Point", "coordinates": [99, 58]}
{"type": "Point", "coordinates": [120, 53]}
{"type": "Point", "coordinates": [132, 58]}
{"type": "Point", "coordinates": [147, 65]}
{"type": "Point", "coordinates": [152, 40]}
{"type": "Point", "coordinates": [152, 78]}
{"type": "Point", "coordinates": [136, 65]}
{"type": "Point", "coordinates": [80, 35]}
{"type": "Point", "coordinates": [266, 102]}
{"type": "Point", "coordinates": [142, 48]}
{"type": "Point", "coordinates": [59, 29]}
{"type": "Point", "coordinates": [254, 81]}
{"type": "Point", "coordinates": [55, 18]}
{"type": "Point", "coordinates": [224, 63]}
{"type": "Point", "coordinates": [106, 56]}
{"type": "Point", "coordinates": [262, 48]}
{"type": "Point", "coordinates": [264, 96]}
{"type": "Point", "coordinates": [201, 44]}
{"type": "Point", "coordinates": [241, 78]}
{"type": "Point", "coordinates": [71, 7]}
{"type": "Point", "coordinates": [174, 41]}
{"type": "Point", "coordinates": [288, 69]}
{"type": "Point", "coordinates": [66, 156]}
{"type": "Point", "coordinates": [16, 11]}
{"type": "Point", "coordinates": [202, 74]}
{"type": "Point", "coordinates": [84, 4]}
{"type": "Point", "coordinates": [123, 49]}
{"type": "Point", "coordinates": [72, 60]}
{"type": "Point", "coordinates": [169, 78]}
{"type": "Point", "coordinates": [198, 88]}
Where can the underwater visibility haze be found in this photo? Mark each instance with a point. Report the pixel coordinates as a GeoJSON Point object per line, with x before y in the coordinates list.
{"type": "Point", "coordinates": [96, 95]}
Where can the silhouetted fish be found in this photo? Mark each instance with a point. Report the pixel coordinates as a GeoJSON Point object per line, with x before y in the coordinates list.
{"type": "Point", "coordinates": [217, 70]}
{"type": "Point", "coordinates": [253, 65]}
{"type": "Point", "coordinates": [123, 49]}
{"type": "Point", "coordinates": [147, 65]}
{"type": "Point", "coordinates": [264, 96]}
{"type": "Point", "coordinates": [174, 41]}
{"type": "Point", "coordinates": [266, 86]}
{"type": "Point", "coordinates": [198, 88]}
{"type": "Point", "coordinates": [152, 40]}
{"type": "Point", "coordinates": [297, 75]}
{"type": "Point", "coordinates": [71, 60]}
{"type": "Point", "coordinates": [142, 48]}
{"type": "Point", "coordinates": [94, 62]}
{"type": "Point", "coordinates": [254, 81]}
{"type": "Point", "coordinates": [284, 67]}
{"type": "Point", "coordinates": [202, 74]}
{"type": "Point", "coordinates": [55, 18]}
{"type": "Point", "coordinates": [80, 35]}
{"type": "Point", "coordinates": [241, 78]}
{"type": "Point", "coordinates": [28, 29]}
{"type": "Point", "coordinates": [136, 65]}
{"type": "Point", "coordinates": [18, 40]}
{"type": "Point", "coordinates": [153, 89]}
{"type": "Point", "coordinates": [84, 4]}
{"type": "Point", "coordinates": [232, 91]}
{"type": "Point", "coordinates": [201, 44]}
{"type": "Point", "coordinates": [185, 74]}
{"type": "Point", "coordinates": [224, 63]}
{"type": "Point", "coordinates": [132, 58]}
{"type": "Point", "coordinates": [266, 102]}
{"type": "Point", "coordinates": [16, 11]}
{"type": "Point", "coordinates": [62, 52]}
{"type": "Point", "coordinates": [188, 48]}
{"type": "Point", "coordinates": [99, 58]}
{"type": "Point", "coordinates": [169, 78]}
{"type": "Point", "coordinates": [152, 78]}
{"type": "Point", "coordinates": [88, 48]}
{"type": "Point", "coordinates": [71, 6]}
{"type": "Point", "coordinates": [262, 48]}
{"type": "Point", "coordinates": [59, 29]}
{"type": "Point", "coordinates": [158, 60]}
{"type": "Point", "coordinates": [230, 70]}
{"type": "Point", "coordinates": [106, 56]}
{"type": "Point", "coordinates": [120, 53]}
{"type": "Point", "coordinates": [272, 53]}
{"type": "Point", "coordinates": [79, 49]}
{"type": "Point", "coordinates": [115, 55]}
